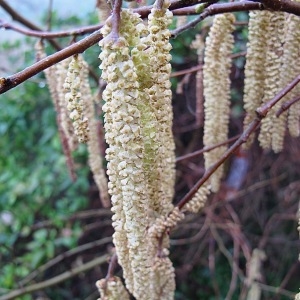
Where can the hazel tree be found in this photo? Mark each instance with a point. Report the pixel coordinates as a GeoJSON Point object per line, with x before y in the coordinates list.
{"type": "Point", "coordinates": [137, 175]}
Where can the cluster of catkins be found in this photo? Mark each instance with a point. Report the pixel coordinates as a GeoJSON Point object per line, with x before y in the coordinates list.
{"type": "Point", "coordinates": [272, 62]}
{"type": "Point", "coordinates": [74, 104]}
{"type": "Point", "coordinates": [140, 154]}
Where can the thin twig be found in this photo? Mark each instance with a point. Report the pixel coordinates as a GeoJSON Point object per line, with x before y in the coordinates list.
{"type": "Point", "coordinates": [261, 113]}
{"type": "Point", "coordinates": [217, 9]}
{"type": "Point", "coordinates": [187, 71]}
{"type": "Point", "coordinates": [50, 35]}
{"type": "Point", "coordinates": [76, 48]}
{"type": "Point", "coordinates": [285, 106]}
{"type": "Point", "coordinates": [264, 109]}
{"type": "Point", "coordinates": [206, 149]}
{"type": "Point", "coordinates": [19, 18]}
{"type": "Point", "coordinates": [112, 266]}
{"type": "Point", "coordinates": [55, 280]}
{"type": "Point", "coordinates": [288, 6]}
{"type": "Point", "coordinates": [63, 256]}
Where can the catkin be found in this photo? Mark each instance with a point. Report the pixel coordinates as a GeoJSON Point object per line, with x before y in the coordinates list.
{"type": "Point", "coordinates": [255, 65]}
{"type": "Point", "coordinates": [199, 199]}
{"type": "Point", "coordinates": [163, 278]}
{"type": "Point", "coordinates": [127, 186]}
{"type": "Point", "coordinates": [112, 289]}
{"type": "Point", "coordinates": [74, 101]}
{"type": "Point", "coordinates": [288, 71]}
{"type": "Point", "coordinates": [161, 101]}
{"type": "Point", "coordinates": [55, 76]}
{"type": "Point", "coordinates": [272, 83]}
{"type": "Point", "coordinates": [255, 274]}
{"type": "Point", "coordinates": [95, 156]}
{"type": "Point", "coordinates": [292, 45]}
{"type": "Point", "coordinates": [198, 44]}
{"type": "Point", "coordinates": [216, 81]}
{"type": "Point", "coordinates": [66, 122]}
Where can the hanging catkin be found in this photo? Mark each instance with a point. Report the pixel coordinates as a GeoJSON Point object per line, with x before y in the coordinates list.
{"type": "Point", "coordinates": [292, 46]}
{"type": "Point", "coordinates": [125, 154]}
{"type": "Point", "coordinates": [93, 144]}
{"type": "Point", "coordinates": [55, 76]}
{"type": "Point", "coordinates": [112, 289]}
{"type": "Point", "coordinates": [272, 83]}
{"type": "Point", "coordinates": [161, 100]}
{"type": "Point", "coordinates": [199, 199]}
{"type": "Point", "coordinates": [74, 101]}
{"type": "Point", "coordinates": [288, 71]}
{"type": "Point", "coordinates": [255, 65]}
{"type": "Point", "coordinates": [216, 74]}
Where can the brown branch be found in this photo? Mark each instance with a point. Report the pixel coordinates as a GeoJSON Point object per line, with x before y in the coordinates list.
{"type": "Point", "coordinates": [19, 18]}
{"type": "Point", "coordinates": [206, 149]}
{"type": "Point", "coordinates": [63, 256]}
{"type": "Point", "coordinates": [115, 20]}
{"type": "Point", "coordinates": [264, 109]}
{"type": "Point", "coordinates": [76, 48]}
{"type": "Point", "coordinates": [288, 6]}
{"type": "Point", "coordinates": [261, 113]}
{"type": "Point", "coordinates": [187, 71]}
{"type": "Point", "coordinates": [112, 266]}
{"type": "Point", "coordinates": [50, 35]}
{"type": "Point", "coordinates": [216, 9]}
{"type": "Point", "coordinates": [285, 106]}
{"type": "Point", "coordinates": [243, 138]}
{"type": "Point", "coordinates": [55, 280]}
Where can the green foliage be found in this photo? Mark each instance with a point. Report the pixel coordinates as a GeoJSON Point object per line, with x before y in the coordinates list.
{"type": "Point", "coordinates": [34, 181]}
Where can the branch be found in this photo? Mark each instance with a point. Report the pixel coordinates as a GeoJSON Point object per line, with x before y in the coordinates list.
{"type": "Point", "coordinates": [262, 111]}
{"type": "Point", "coordinates": [243, 138]}
{"type": "Point", "coordinates": [55, 280]}
{"type": "Point", "coordinates": [216, 9]}
{"type": "Point", "coordinates": [206, 149]}
{"type": "Point", "coordinates": [76, 48]}
{"type": "Point", "coordinates": [285, 106]}
{"type": "Point", "coordinates": [63, 256]}
{"type": "Point", "coordinates": [288, 6]}
{"type": "Point", "coordinates": [49, 35]}
{"type": "Point", "coordinates": [17, 17]}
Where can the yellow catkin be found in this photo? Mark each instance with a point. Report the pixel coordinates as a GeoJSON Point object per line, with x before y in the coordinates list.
{"type": "Point", "coordinates": [254, 274]}
{"type": "Point", "coordinates": [216, 81]}
{"type": "Point", "coordinates": [161, 101]}
{"type": "Point", "coordinates": [289, 70]}
{"type": "Point", "coordinates": [199, 200]}
{"type": "Point", "coordinates": [66, 122]}
{"type": "Point", "coordinates": [198, 44]}
{"type": "Point", "coordinates": [163, 278]}
{"type": "Point", "coordinates": [293, 40]}
{"type": "Point", "coordinates": [272, 83]}
{"type": "Point", "coordinates": [112, 289]}
{"type": "Point", "coordinates": [95, 156]}
{"type": "Point", "coordinates": [55, 76]}
{"type": "Point", "coordinates": [125, 155]}
{"type": "Point", "coordinates": [74, 101]}
{"type": "Point", "coordinates": [164, 223]}
{"type": "Point", "coordinates": [255, 65]}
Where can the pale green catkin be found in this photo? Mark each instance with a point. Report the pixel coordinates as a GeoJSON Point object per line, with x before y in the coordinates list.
{"type": "Point", "coordinates": [216, 83]}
